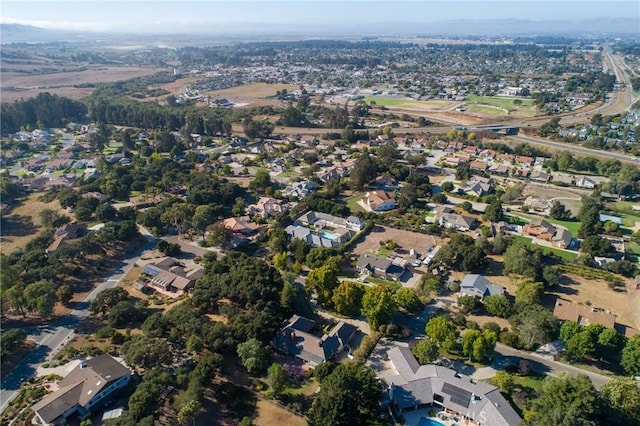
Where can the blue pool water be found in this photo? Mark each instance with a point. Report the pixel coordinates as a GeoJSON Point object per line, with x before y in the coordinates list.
{"type": "Point", "coordinates": [430, 422]}
{"type": "Point", "coordinates": [328, 236]}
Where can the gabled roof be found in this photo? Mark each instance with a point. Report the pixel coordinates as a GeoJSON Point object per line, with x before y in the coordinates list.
{"type": "Point", "coordinates": [81, 385]}
{"type": "Point", "coordinates": [415, 385]}
{"type": "Point", "coordinates": [477, 285]}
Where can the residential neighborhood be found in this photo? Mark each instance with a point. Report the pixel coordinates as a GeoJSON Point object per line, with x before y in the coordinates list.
{"type": "Point", "coordinates": [375, 230]}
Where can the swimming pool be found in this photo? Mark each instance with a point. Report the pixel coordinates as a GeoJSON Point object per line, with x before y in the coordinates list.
{"type": "Point", "coordinates": [430, 422]}
{"type": "Point", "coordinates": [328, 236]}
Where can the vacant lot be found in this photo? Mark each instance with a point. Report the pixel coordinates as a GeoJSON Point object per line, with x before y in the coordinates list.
{"type": "Point", "coordinates": [270, 414]}
{"type": "Point", "coordinates": [570, 198]}
{"type": "Point", "coordinates": [23, 223]}
{"type": "Point", "coordinates": [61, 83]}
{"type": "Point", "coordinates": [251, 94]}
{"type": "Point", "coordinates": [406, 240]}
{"type": "Point", "coordinates": [624, 304]}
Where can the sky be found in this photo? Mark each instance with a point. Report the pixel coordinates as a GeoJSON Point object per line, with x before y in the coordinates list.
{"type": "Point", "coordinates": [194, 16]}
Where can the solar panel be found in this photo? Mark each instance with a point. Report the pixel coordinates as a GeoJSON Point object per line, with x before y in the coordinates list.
{"type": "Point", "coordinates": [457, 395]}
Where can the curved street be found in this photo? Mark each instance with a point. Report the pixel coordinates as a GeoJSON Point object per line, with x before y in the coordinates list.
{"type": "Point", "coordinates": [52, 338]}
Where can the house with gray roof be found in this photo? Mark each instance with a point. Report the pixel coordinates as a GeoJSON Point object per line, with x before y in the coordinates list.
{"type": "Point", "coordinates": [86, 387]}
{"type": "Point", "coordinates": [456, 221]}
{"type": "Point", "coordinates": [479, 287]}
{"type": "Point", "coordinates": [324, 230]}
{"type": "Point", "coordinates": [369, 264]}
{"type": "Point", "coordinates": [296, 339]}
{"type": "Point", "coordinates": [415, 386]}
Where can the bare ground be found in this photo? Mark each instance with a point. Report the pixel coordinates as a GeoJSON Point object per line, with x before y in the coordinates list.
{"type": "Point", "coordinates": [624, 304]}
{"type": "Point", "coordinates": [406, 240]}
{"type": "Point", "coordinates": [23, 223]}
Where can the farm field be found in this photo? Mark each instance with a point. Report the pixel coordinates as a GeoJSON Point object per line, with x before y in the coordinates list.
{"type": "Point", "coordinates": [61, 83]}
{"type": "Point", "coordinates": [410, 103]}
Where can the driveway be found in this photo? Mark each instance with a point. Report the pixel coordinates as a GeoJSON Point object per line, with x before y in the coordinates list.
{"type": "Point", "coordinates": [52, 338]}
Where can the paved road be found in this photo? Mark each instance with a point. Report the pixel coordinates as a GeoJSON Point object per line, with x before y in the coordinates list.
{"type": "Point", "coordinates": [577, 148]}
{"type": "Point", "coordinates": [52, 338]}
{"type": "Point", "coordinates": [507, 355]}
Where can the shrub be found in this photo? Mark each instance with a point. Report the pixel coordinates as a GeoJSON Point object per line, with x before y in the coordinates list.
{"type": "Point", "coordinates": [510, 338]}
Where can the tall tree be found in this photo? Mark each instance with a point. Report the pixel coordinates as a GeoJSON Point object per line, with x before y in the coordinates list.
{"type": "Point", "coordinates": [631, 356]}
{"type": "Point", "coordinates": [364, 171]}
{"type": "Point", "coordinates": [378, 305]}
{"type": "Point", "coordinates": [347, 298]}
{"type": "Point", "coordinates": [323, 281]}
{"type": "Point", "coordinates": [621, 400]}
{"type": "Point", "coordinates": [349, 396]}
{"type": "Point", "coordinates": [565, 401]}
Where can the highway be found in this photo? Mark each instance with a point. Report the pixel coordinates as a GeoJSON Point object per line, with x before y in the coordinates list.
{"type": "Point", "coordinates": [51, 339]}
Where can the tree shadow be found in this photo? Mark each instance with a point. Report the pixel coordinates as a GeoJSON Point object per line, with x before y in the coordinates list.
{"type": "Point", "coordinates": [17, 226]}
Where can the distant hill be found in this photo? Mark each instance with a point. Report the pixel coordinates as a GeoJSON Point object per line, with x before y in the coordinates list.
{"type": "Point", "coordinates": [17, 33]}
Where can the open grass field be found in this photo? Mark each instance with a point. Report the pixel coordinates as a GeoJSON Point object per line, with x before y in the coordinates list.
{"type": "Point", "coordinates": [488, 110]}
{"type": "Point", "coordinates": [501, 105]}
{"type": "Point", "coordinates": [61, 83]}
{"type": "Point", "coordinates": [251, 94]}
{"type": "Point", "coordinates": [410, 103]}
{"type": "Point", "coordinates": [23, 224]}
{"type": "Point", "coordinates": [352, 203]}
{"type": "Point", "coordinates": [271, 414]}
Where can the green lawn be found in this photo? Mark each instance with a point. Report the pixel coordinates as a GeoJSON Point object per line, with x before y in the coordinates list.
{"type": "Point", "coordinates": [533, 381]}
{"type": "Point", "coordinates": [392, 284]}
{"type": "Point", "coordinates": [571, 226]}
{"type": "Point", "coordinates": [629, 220]}
{"type": "Point", "coordinates": [288, 173]}
{"type": "Point", "coordinates": [488, 109]}
{"type": "Point", "coordinates": [515, 219]}
{"type": "Point", "coordinates": [633, 248]}
{"type": "Point", "coordinates": [500, 101]}
{"type": "Point", "coordinates": [563, 254]}
{"type": "Point", "coordinates": [407, 102]}
{"type": "Point", "coordinates": [352, 203]}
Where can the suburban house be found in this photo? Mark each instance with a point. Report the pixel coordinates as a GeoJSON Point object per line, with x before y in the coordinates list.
{"type": "Point", "coordinates": [476, 188]}
{"type": "Point", "coordinates": [541, 229]}
{"type": "Point", "coordinates": [295, 339]}
{"type": "Point", "coordinates": [268, 207]}
{"type": "Point", "coordinates": [456, 221]}
{"type": "Point", "coordinates": [168, 276]}
{"type": "Point", "coordinates": [240, 225]}
{"type": "Point", "coordinates": [585, 182]}
{"type": "Point", "coordinates": [537, 204]}
{"type": "Point", "coordinates": [378, 267]}
{"type": "Point", "coordinates": [65, 234]}
{"type": "Point", "coordinates": [83, 389]}
{"type": "Point", "coordinates": [324, 230]}
{"type": "Point", "coordinates": [378, 201]}
{"type": "Point", "coordinates": [324, 220]}
{"type": "Point", "coordinates": [582, 314]}
{"type": "Point", "coordinates": [479, 287]}
{"type": "Point", "coordinates": [415, 386]}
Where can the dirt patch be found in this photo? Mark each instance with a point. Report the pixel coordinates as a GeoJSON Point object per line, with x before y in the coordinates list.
{"type": "Point", "coordinates": [571, 199]}
{"type": "Point", "coordinates": [623, 303]}
{"type": "Point", "coordinates": [271, 414]}
{"type": "Point", "coordinates": [251, 92]}
{"type": "Point", "coordinates": [406, 240]}
{"type": "Point", "coordinates": [23, 223]}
